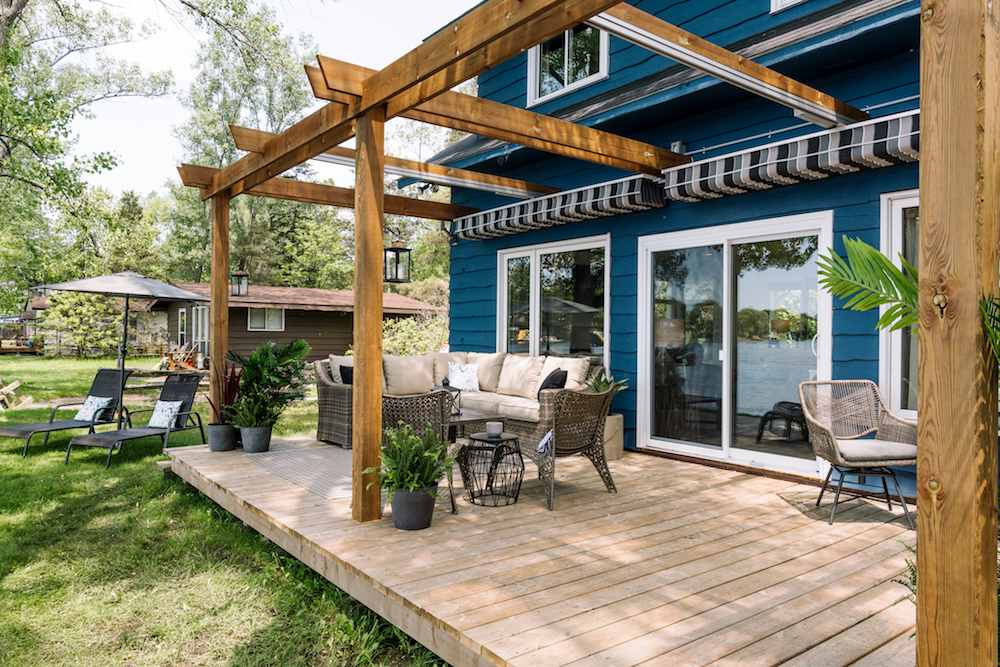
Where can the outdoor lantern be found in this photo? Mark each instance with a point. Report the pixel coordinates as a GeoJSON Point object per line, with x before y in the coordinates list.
{"type": "Point", "coordinates": [239, 283]}
{"type": "Point", "coordinates": [456, 396]}
{"type": "Point", "coordinates": [397, 263]}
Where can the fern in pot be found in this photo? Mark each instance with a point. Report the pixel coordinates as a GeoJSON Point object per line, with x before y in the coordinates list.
{"type": "Point", "coordinates": [273, 377]}
{"type": "Point", "coordinates": [411, 469]}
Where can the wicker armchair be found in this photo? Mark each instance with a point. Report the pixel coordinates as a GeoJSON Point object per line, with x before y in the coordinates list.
{"type": "Point", "coordinates": [336, 408]}
{"type": "Point", "coordinates": [577, 428]}
{"type": "Point", "coordinates": [839, 414]}
{"type": "Point", "coordinates": [421, 411]}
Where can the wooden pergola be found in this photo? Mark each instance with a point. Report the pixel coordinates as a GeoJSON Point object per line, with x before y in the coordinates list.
{"type": "Point", "coordinates": [960, 79]}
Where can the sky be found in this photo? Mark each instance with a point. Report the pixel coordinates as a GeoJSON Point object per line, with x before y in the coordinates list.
{"type": "Point", "coordinates": [371, 33]}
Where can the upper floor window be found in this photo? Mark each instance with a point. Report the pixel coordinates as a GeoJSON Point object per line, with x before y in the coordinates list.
{"type": "Point", "coordinates": [566, 62]}
{"type": "Point", "coordinates": [778, 5]}
{"type": "Point", "coordinates": [266, 319]}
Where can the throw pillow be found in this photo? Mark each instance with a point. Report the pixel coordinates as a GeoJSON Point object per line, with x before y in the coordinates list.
{"type": "Point", "coordinates": [347, 374]}
{"type": "Point", "coordinates": [490, 366]}
{"type": "Point", "coordinates": [336, 363]}
{"type": "Point", "coordinates": [463, 376]}
{"type": "Point", "coordinates": [441, 360]}
{"type": "Point", "coordinates": [408, 375]}
{"type": "Point", "coordinates": [555, 380]}
{"type": "Point", "coordinates": [164, 414]}
{"type": "Point", "coordinates": [520, 375]}
{"type": "Point", "coordinates": [576, 369]}
{"type": "Point", "coordinates": [91, 407]}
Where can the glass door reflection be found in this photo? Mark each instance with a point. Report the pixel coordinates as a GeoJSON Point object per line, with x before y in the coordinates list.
{"type": "Point", "coordinates": [688, 339]}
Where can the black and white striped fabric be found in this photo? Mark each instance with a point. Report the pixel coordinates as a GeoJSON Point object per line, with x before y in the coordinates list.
{"type": "Point", "coordinates": [882, 142]}
{"type": "Point", "coordinates": [635, 193]}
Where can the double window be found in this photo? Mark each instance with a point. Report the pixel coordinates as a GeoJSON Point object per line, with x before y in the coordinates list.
{"type": "Point", "coordinates": [553, 299]}
{"type": "Point", "coordinates": [898, 353]}
{"type": "Point", "coordinates": [566, 62]}
{"type": "Point", "coordinates": [266, 319]}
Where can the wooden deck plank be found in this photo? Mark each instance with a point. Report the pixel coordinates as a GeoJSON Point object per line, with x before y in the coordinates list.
{"type": "Point", "coordinates": [900, 652]}
{"type": "Point", "coordinates": [714, 566]}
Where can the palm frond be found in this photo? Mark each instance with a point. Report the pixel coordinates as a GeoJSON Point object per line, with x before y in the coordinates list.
{"type": "Point", "coordinates": [867, 279]}
{"type": "Point", "coordinates": [990, 306]}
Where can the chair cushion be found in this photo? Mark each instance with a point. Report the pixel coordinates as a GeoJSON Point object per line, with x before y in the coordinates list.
{"type": "Point", "coordinates": [463, 376]}
{"type": "Point", "coordinates": [520, 376]}
{"type": "Point", "coordinates": [576, 369]}
{"type": "Point", "coordinates": [91, 407]}
{"type": "Point", "coordinates": [441, 359]}
{"type": "Point", "coordinates": [164, 414]}
{"type": "Point", "coordinates": [490, 366]}
{"type": "Point", "coordinates": [873, 451]}
{"type": "Point", "coordinates": [512, 407]}
{"type": "Point", "coordinates": [408, 375]}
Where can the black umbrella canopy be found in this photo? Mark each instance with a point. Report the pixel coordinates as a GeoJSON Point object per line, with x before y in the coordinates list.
{"type": "Point", "coordinates": [126, 284]}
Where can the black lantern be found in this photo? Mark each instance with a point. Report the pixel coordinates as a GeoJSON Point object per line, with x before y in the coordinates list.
{"type": "Point", "coordinates": [456, 396]}
{"type": "Point", "coordinates": [239, 283]}
{"type": "Point", "coordinates": [397, 263]}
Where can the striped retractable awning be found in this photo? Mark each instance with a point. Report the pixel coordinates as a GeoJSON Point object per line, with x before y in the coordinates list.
{"type": "Point", "coordinates": [882, 142]}
{"type": "Point", "coordinates": [635, 193]}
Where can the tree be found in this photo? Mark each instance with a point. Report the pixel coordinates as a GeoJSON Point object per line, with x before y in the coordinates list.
{"type": "Point", "coordinates": [87, 322]}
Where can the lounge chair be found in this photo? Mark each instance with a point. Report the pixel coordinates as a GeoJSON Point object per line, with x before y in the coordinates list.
{"type": "Point", "coordinates": [106, 385]}
{"type": "Point", "coordinates": [178, 388]}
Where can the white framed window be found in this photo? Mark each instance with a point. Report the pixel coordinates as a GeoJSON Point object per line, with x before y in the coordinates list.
{"type": "Point", "coordinates": [182, 326]}
{"type": "Point", "coordinates": [900, 225]}
{"type": "Point", "coordinates": [265, 319]}
{"type": "Point", "coordinates": [576, 58]}
{"type": "Point", "coordinates": [199, 315]}
{"type": "Point", "coordinates": [560, 290]}
{"type": "Point", "coordinates": [778, 5]}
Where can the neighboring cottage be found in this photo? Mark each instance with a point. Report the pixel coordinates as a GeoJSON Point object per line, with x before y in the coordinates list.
{"type": "Point", "coordinates": [324, 318]}
{"type": "Point", "coordinates": [699, 285]}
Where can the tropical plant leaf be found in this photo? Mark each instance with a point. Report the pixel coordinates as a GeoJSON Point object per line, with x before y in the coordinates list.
{"type": "Point", "coordinates": [990, 306]}
{"type": "Point", "coordinates": [867, 279]}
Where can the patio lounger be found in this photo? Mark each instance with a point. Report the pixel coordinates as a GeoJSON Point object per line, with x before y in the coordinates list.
{"type": "Point", "coordinates": [178, 387]}
{"type": "Point", "coordinates": [105, 385]}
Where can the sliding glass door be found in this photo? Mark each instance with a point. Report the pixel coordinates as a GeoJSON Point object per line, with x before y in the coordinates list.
{"type": "Point", "coordinates": [731, 320]}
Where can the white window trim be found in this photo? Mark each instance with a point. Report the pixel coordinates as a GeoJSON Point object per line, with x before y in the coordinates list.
{"type": "Point", "coordinates": [182, 336]}
{"type": "Point", "coordinates": [819, 223]}
{"type": "Point", "coordinates": [890, 342]}
{"type": "Point", "coordinates": [281, 310]}
{"type": "Point", "coordinates": [534, 312]}
{"type": "Point", "coordinates": [534, 64]}
{"type": "Point", "coordinates": [201, 328]}
{"type": "Point", "coordinates": [780, 5]}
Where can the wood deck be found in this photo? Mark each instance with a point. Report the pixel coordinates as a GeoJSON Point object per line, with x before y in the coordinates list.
{"type": "Point", "coordinates": [686, 565]}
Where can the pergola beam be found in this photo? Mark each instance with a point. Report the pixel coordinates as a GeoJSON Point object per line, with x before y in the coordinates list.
{"type": "Point", "coordinates": [465, 48]}
{"type": "Point", "coordinates": [508, 123]}
{"type": "Point", "coordinates": [658, 36]}
{"type": "Point", "coordinates": [255, 141]}
{"type": "Point", "coordinates": [329, 195]}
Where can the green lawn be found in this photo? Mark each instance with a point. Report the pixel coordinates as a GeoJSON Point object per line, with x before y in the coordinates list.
{"type": "Point", "coordinates": [46, 378]}
{"type": "Point", "coordinates": [127, 567]}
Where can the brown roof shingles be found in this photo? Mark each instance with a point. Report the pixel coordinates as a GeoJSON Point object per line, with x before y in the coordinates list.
{"type": "Point", "coordinates": [305, 298]}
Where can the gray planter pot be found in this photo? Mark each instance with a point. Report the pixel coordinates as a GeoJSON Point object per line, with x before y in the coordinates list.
{"type": "Point", "coordinates": [413, 510]}
{"type": "Point", "coordinates": [222, 437]}
{"type": "Point", "coordinates": [256, 438]}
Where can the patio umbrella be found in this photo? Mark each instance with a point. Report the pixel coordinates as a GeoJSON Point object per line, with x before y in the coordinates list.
{"type": "Point", "coordinates": [126, 284]}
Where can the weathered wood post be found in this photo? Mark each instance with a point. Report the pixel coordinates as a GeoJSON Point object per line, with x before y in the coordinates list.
{"type": "Point", "coordinates": [219, 311]}
{"type": "Point", "coordinates": [368, 210]}
{"type": "Point", "coordinates": [957, 439]}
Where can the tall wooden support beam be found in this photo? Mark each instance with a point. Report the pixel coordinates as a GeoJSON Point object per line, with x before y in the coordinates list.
{"type": "Point", "coordinates": [367, 435]}
{"type": "Point", "coordinates": [957, 440]}
{"type": "Point", "coordinates": [219, 312]}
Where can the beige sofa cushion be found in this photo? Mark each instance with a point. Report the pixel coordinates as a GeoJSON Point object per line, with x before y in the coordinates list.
{"type": "Point", "coordinates": [408, 375]}
{"type": "Point", "coordinates": [335, 364]}
{"type": "Point", "coordinates": [576, 370]}
{"type": "Point", "coordinates": [520, 376]}
{"type": "Point", "coordinates": [441, 360]}
{"type": "Point", "coordinates": [512, 407]}
{"type": "Point", "coordinates": [490, 365]}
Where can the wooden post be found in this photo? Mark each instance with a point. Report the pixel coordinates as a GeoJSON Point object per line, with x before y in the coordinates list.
{"type": "Point", "coordinates": [368, 211]}
{"type": "Point", "coordinates": [219, 310]}
{"type": "Point", "coordinates": [957, 439]}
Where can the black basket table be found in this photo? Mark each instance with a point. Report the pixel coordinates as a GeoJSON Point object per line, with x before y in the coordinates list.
{"type": "Point", "coordinates": [492, 469]}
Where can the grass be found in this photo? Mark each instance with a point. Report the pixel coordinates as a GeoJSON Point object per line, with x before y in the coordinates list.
{"type": "Point", "coordinates": [46, 378]}
{"type": "Point", "coordinates": [127, 567]}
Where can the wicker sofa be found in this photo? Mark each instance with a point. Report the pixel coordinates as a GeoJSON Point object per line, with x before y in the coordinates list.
{"type": "Point", "coordinates": [529, 418]}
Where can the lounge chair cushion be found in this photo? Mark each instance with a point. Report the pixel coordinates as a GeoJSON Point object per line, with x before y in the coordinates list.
{"type": "Point", "coordinates": [861, 451]}
{"type": "Point", "coordinates": [408, 375]}
{"type": "Point", "coordinates": [520, 376]}
{"type": "Point", "coordinates": [164, 414]}
{"type": "Point", "coordinates": [463, 376]}
{"type": "Point", "coordinates": [91, 407]}
{"type": "Point", "coordinates": [490, 366]}
{"type": "Point", "coordinates": [576, 369]}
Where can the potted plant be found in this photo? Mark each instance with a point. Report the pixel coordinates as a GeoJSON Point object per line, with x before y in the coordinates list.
{"type": "Point", "coordinates": [272, 378]}
{"type": "Point", "coordinates": [411, 469]}
{"type": "Point", "coordinates": [222, 435]}
{"type": "Point", "coordinates": [614, 427]}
